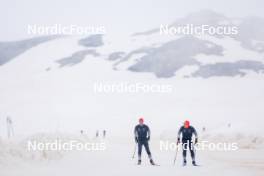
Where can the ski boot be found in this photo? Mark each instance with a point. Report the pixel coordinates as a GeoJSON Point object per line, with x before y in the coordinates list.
{"type": "Point", "coordinates": [184, 162]}
{"type": "Point", "coordinates": [139, 162]}
{"type": "Point", "coordinates": [152, 162]}
{"type": "Point", "coordinates": [194, 163]}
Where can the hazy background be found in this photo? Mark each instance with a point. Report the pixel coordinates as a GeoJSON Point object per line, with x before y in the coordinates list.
{"type": "Point", "coordinates": [117, 15]}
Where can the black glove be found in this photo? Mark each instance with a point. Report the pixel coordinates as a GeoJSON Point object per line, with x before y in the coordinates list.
{"type": "Point", "coordinates": [178, 141]}
{"type": "Point", "coordinates": [136, 139]}
{"type": "Point", "coordinates": [196, 141]}
{"type": "Point", "coordinates": [148, 138]}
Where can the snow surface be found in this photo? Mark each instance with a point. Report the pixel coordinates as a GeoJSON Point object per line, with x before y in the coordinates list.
{"type": "Point", "coordinates": [117, 160]}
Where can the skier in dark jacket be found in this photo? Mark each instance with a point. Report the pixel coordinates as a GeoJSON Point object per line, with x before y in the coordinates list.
{"type": "Point", "coordinates": [142, 136]}
{"type": "Point", "coordinates": [187, 132]}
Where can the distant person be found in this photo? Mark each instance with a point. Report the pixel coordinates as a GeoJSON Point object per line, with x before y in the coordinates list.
{"type": "Point", "coordinates": [97, 134]}
{"type": "Point", "coordinates": [10, 129]}
{"type": "Point", "coordinates": [104, 133]}
{"type": "Point", "coordinates": [187, 131]}
{"type": "Point", "coordinates": [142, 137]}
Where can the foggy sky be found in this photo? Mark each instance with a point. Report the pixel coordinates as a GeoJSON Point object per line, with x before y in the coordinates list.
{"type": "Point", "coordinates": [117, 15]}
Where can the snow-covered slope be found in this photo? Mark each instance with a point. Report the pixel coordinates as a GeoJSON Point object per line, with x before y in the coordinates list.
{"type": "Point", "coordinates": [41, 95]}
{"type": "Point", "coordinates": [51, 86]}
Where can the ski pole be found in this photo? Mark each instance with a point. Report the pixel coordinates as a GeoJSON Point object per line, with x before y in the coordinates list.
{"type": "Point", "coordinates": [135, 148]}
{"type": "Point", "coordinates": [194, 149]}
{"type": "Point", "coordinates": [175, 154]}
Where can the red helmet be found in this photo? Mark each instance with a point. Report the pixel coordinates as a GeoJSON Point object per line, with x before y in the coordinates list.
{"type": "Point", "coordinates": [186, 124]}
{"type": "Point", "coordinates": [141, 120]}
